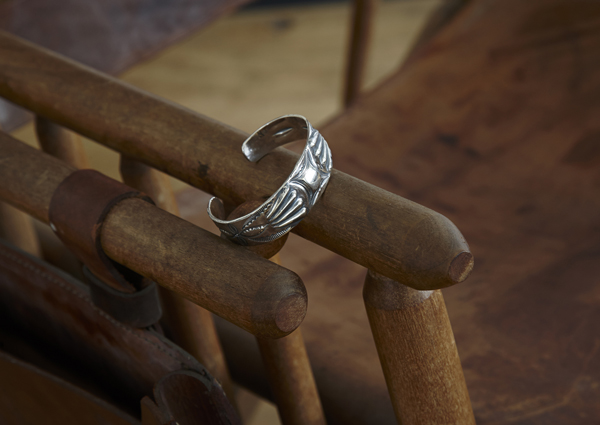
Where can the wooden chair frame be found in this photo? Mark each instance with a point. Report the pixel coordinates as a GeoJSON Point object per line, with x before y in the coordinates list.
{"type": "Point", "coordinates": [411, 251]}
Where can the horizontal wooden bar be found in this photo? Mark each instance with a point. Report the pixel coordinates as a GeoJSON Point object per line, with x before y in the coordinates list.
{"type": "Point", "coordinates": [377, 229]}
{"type": "Point", "coordinates": [255, 294]}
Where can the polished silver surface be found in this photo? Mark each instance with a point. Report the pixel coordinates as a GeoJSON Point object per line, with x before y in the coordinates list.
{"type": "Point", "coordinates": [294, 199]}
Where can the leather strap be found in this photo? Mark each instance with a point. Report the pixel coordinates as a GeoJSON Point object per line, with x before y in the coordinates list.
{"type": "Point", "coordinates": [77, 209]}
{"type": "Point", "coordinates": [139, 309]}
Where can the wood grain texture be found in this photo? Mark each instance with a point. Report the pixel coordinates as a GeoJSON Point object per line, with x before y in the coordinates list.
{"type": "Point", "coordinates": [507, 148]}
{"type": "Point", "coordinates": [291, 380]}
{"type": "Point", "coordinates": [29, 177]}
{"type": "Point", "coordinates": [442, 15]}
{"type": "Point", "coordinates": [259, 296]}
{"type": "Point", "coordinates": [338, 338]}
{"type": "Point", "coordinates": [363, 12]}
{"type": "Point", "coordinates": [418, 354]}
{"type": "Point", "coordinates": [378, 232]}
{"type": "Point", "coordinates": [495, 123]}
{"type": "Point", "coordinates": [188, 325]}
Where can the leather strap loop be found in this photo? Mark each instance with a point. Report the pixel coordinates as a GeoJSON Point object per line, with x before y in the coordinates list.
{"type": "Point", "coordinates": [77, 209]}
{"type": "Point", "coordinates": [139, 309]}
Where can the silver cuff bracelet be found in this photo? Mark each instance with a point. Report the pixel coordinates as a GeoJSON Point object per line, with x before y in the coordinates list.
{"type": "Point", "coordinates": [294, 199]}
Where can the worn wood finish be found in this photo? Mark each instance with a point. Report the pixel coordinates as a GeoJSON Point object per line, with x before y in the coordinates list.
{"type": "Point", "coordinates": [291, 380]}
{"type": "Point", "coordinates": [508, 148]}
{"type": "Point", "coordinates": [384, 232]}
{"type": "Point", "coordinates": [20, 168]}
{"type": "Point", "coordinates": [61, 143]}
{"type": "Point", "coordinates": [418, 354]}
{"type": "Point", "coordinates": [363, 15]}
{"type": "Point", "coordinates": [438, 19]}
{"type": "Point", "coordinates": [286, 363]}
{"type": "Point", "coordinates": [261, 297]}
{"type": "Point", "coordinates": [336, 331]}
{"type": "Point", "coordinates": [495, 123]}
{"type": "Point", "coordinates": [187, 324]}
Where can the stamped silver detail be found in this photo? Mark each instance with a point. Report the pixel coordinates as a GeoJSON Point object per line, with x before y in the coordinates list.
{"type": "Point", "coordinates": [295, 198]}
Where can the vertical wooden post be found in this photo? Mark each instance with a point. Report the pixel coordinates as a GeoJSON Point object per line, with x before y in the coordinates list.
{"type": "Point", "coordinates": [16, 227]}
{"type": "Point", "coordinates": [188, 325]}
{"type": "Point", "coordinates": [418, 354]}
{"type": "Point", "coordinates": [290, 377]}
{"type": "Point", "coordinates": [362, 23]}
{"type": "Point", "coordinates": [60, 143]}
{"type": "Point", "coordinates": [286, 361]}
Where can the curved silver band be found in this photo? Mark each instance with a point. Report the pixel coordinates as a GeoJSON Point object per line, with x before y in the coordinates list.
{"type": "Point", "coordinates": [294, 199]}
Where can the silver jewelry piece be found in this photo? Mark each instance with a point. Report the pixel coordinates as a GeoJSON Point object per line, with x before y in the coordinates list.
{"type": "Point", "coordinates": [294, 199]}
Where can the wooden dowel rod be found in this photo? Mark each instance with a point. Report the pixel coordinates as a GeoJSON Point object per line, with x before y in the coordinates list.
{"type": "Point", "coordinates": [377, 229]}
{"type": "Point", "coordinates": [418, 354]}
{"type": "Point", "coordinates": [291, 380]}
{"type": "Point", "coordinates": [363, 15]}
{"type": "Point", "coordinates": [255, 294]}
{"type": "Point", "coordinates": [17, 228]}
{"type": "Point", "coordinates": [188, 325]}
{"type": "Point", "coordinates": [286, 362]}
{"type": "Point", "coordinates": [61, 143]}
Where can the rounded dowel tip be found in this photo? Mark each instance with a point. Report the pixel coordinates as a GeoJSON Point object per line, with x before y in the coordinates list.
{"type": "Point", "coordinates": [281, 305]}
{"type": "Point", "coordinates": [461, 266]}
{"type": "Point", "coordinates": [291, 312]}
